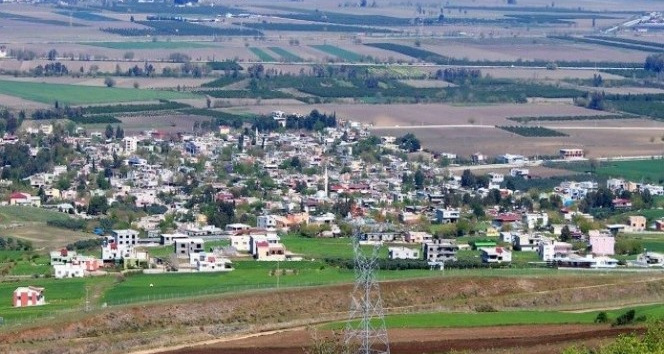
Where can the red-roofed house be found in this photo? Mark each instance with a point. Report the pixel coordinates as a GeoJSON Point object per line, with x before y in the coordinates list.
{"type": "Point", "coordinates": [24, 199]}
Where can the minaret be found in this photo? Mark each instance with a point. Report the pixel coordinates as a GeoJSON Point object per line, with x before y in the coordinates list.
{"type": "Point", "coordinates": [326, 181]}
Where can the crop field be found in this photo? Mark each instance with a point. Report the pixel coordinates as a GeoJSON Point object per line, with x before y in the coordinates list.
{"type": "Point", "coordinates": [506, 318]}
{"type": "Point", "coordinates": [285, 55]}
{"type": "Point", "coordinates": [149, 45]}
{"type": "Point", "coordinates": [74, 95]}
{"type": "Point", "coordinates": [261, 54]}
{"type": "Point", "coordinates": [651, 170]}
{"type": "Point", "coordinates": [338, 52]}
{"type": "Point", "coordinates": [315, 248]}
{"type": "Point", "coordinates": [17, 214]}
{"type": "Point", "coordinates": [86, 16]}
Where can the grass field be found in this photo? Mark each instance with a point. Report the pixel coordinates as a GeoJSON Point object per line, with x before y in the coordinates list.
{"type": "Point", "coordinates": [285, 55]}
{"type": "Point", "coordinates": [74, 95]}
{"type": "Point", "coordinates": [261, 54]}
{"type": "Point", "coordinates": [638, 171]}
{"type": "Point", "coordinates": [148, 45]}
{"type": "Point", "coordinates": [18, 214]}
{"type": "Point", "coordinates": [86, 16]}
{"type": "Point", "coordinates": [338, 52]}
{"type": "Point", "coordinates": [484, 319]}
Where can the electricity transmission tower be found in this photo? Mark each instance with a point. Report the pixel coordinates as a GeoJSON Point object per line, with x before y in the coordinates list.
{"type": "Point", "coordinates": [365, 330]}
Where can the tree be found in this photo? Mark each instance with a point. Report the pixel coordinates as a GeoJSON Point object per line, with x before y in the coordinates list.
{"type": "Point", "coordinates": [468, 179]}
{"type": "Point", "coordinates": [128, 55]}
{"type": "Point", "coordinates": [52, 54]}
{"type": "Point", "coordinates": [109, 133]}
{"type": "Point", "coordinates": [98, 205]}
{"type": "Point", "coordinates": [109, 82]}
{"type": "Point", "coordinates": [240, 142]}
{"type": "Point", "coordinates": [419, 179]}
{"type": "Point", "coordinates": [409, 142]}
{"type": "Point", "coordinates": [119, 132]}
{"type": "Point", "coordinates": [565, 234]}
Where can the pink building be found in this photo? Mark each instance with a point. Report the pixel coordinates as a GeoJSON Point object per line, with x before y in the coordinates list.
{"type": "Point", "coordinates": [602, 245]}
{"type": "Point", "coordinates": [28, 296]}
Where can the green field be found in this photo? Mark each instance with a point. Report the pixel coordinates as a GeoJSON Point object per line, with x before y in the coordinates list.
{"type": "Point", "coordinates": [262, 55]}
{"type": "Point", "coordinates": [148, 45]}
{"type": "Point", "coordinates": [486, 319]}
{"type": "Point", "coordinates": [638, 171]}
{"type": "Point", "coordinates": [338, 52]}
{"type": "Point", "coordinates": [86, 16]}
{"type": "Point", "coordinates": [75, 94]}
{"type": "Point", "coordinates": [18, 214]}
{"type": "Point", "coordinates": [285, 55]}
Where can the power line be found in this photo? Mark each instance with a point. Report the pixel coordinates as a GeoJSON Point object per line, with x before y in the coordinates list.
{"type": "Point", "coordinates": [365, 329]}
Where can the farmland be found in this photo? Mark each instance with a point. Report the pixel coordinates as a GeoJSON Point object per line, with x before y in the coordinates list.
{"type": "Point", "coordinates": [338, 52]}
{"type": "Point", "coordinates": [286, 55]}
{"type": "Point", "coordinates": [643, 170]}
{"type": "Point", "coordinates": [76, 95]}
{"type": "Point", "coordinates": [149, 45]}
{"type": "Point", "coordinates": [262, 54]}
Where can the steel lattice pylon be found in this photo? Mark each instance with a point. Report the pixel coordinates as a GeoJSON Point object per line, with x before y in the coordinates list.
{"type": "Point", "coordinates": [365, 330]}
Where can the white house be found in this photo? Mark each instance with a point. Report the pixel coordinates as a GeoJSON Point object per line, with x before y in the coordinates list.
{"type": "Point", "coordinates": [495, 255]}
{"type": "Point", "coordinates": [241, 243]}
{"type": "Point", "coordinates": [403, 253]}
{"type": "Point", "coordinates": [185, 247]}
{"type": "Point", "coordinates": [266, 222]}
{"type": "Point", "coordinates": [169, 239]}
{"type": "Point", "coordinates": [550, 251]}
{"type": "Point", "coordinates": [125, 237]}
{"type": "Point", "coordinates": [204, 262]}
{"type": "Point", "coordinates": [68, 270]}
{"type": "Point", "coordinates": [533, 220]}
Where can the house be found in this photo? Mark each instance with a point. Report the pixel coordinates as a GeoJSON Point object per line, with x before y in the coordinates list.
{"type": "Point", "coordinates": [24, 199]}
{"type": "Point", "coordinates": [444, 250]}
{"type": "Point", "coordinates": [602, 244]}
{"type": "Point", "coordinates": [185, 247]}
{"type": "Point", "coordinates": [204, 262]}
{"type": "Point", "coordinates": [266, 251]}
{"type": "Point", "coordinates": [495, 255]}
{"type": "Point", "coordinates": [169, 239]}
{"type": "Point", "coordinates": [241, 242]}
{"type": "Point", "coordinates": [620, 203]}
{"type": "Point", "coordinates": [403, 253]}
{"type": "Point", "coordinates": [266, 222]}
{"type": "Point", "coordinates": [637, 223]}
{"type": "Point", "coordinates": [571, 154]}
{"type": "Point", "coordinates": [446, 216]}
{"type": "Point", "coordinates": [576, 261]}
{"type": "Point", "coordinates": [550, 251]}
{"type": "Point", "coordinates": [418, 237]}
{"type": "Point", "coordinates": [125, 237]}
{"type": "Point", "coordinates": [511, 159]}
{"type": "Point", "coordinates": [379, 237]}
{"type": "Point", "coordinates": [529, 243]}
{"type": "Point", "coordinates": [255, 238]}
{"type": "Point", "coordinates": [28, 296]}
{"type": "Point", "coordinates": [503, 219]}
{"type": "Point", "coordinates": [68, 270]}
{"type": "Point", "coordinates": [236, 227]}
{"type": "Point", "coordinates": [649, 259]}
{"type": "Point", "coordinates": [659, 225]}
{"type": "Point", "coordinates": [535, 220]}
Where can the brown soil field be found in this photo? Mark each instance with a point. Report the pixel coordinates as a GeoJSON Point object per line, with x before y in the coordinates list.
{"type": "Point", "coordinates": [544, 49]}
{"type": "Point", "coordinates": [543, 74]}
{"type": "Point", "coordinates": [166, 123]}
{"type": "Point", "coordinates": [123, 329]}
{"type": "Point", "coordinates": [488, 140]}
{"type": "Point", "coordinates": [11, 101]}
{"type": "Point", "coordinates": [432, 114]}
{"type": "Point", "coordinates": [526, 339]}
{"type": "Point", "coordinates": [44, 237]}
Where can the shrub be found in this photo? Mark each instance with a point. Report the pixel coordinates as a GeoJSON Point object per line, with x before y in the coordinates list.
{"type": "Point", "coordinates": [625, 319]}
{"type": "Point", "coordinates": [602, 317]}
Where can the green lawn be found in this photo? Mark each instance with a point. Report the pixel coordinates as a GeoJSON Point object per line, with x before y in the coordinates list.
{"type": "Point", "coordinates": [285, 55]}
{"type": "Point", "coordinates": [77, 94]}
{"type": "Point", "coordinates": [484, 319]}
{"type": "Point", "coordinates": [262, 55]}
{"type": "Point", "coordinates": [638, 171]}
{"type": "Point", "coordinates": [148, 45]}
{"type": "Point", "coordinates": [339, 52]}
{"type": "Point", "coordinates": [650, 241]}
{"type": "Point", "coordinates": [60, 294]}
